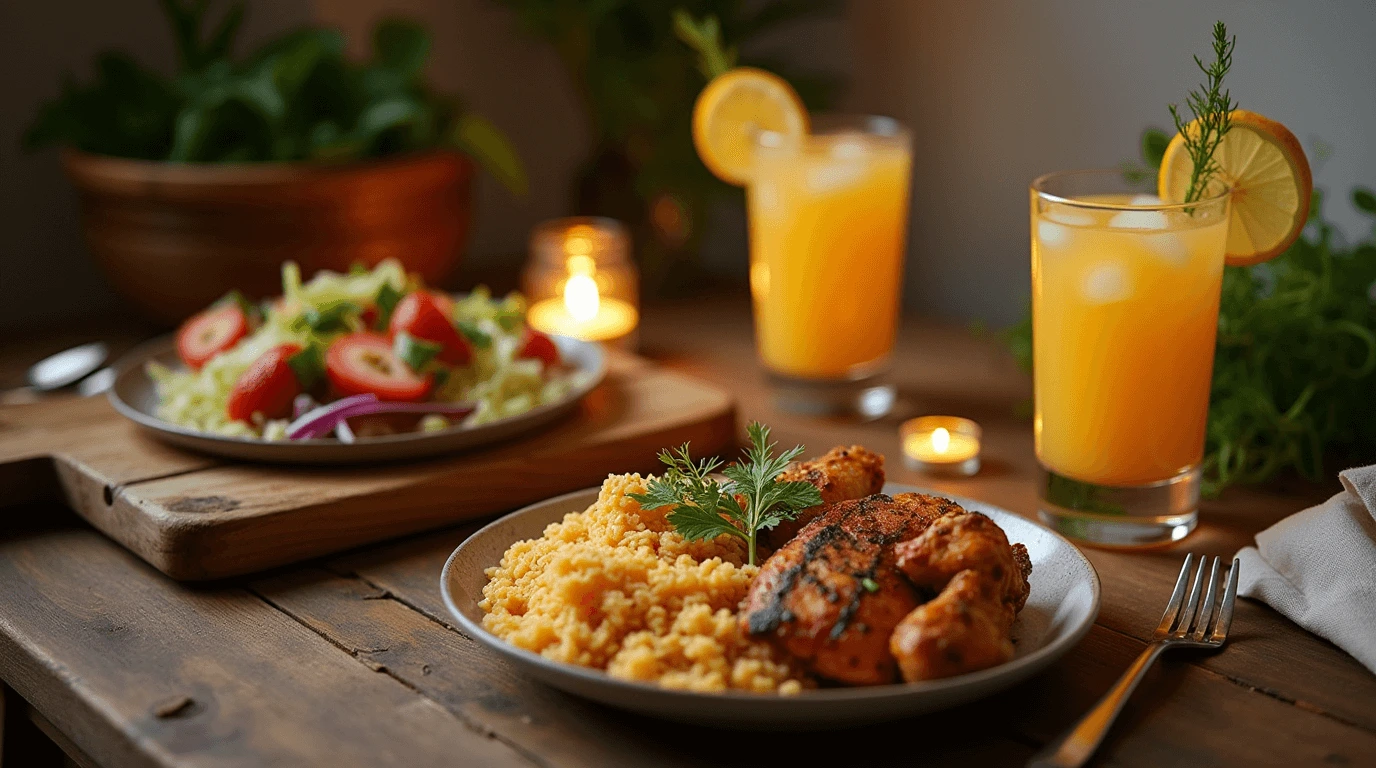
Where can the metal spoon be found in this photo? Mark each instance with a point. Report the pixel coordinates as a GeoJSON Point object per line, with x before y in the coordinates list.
{"type": "Point", "coordinates": [68, 366]}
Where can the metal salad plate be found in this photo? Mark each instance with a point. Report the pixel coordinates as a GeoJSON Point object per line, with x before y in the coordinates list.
{"type": "Point", "coordinates": [1060, 610]}
{"type": "Point", "coordinates": [135, 396]}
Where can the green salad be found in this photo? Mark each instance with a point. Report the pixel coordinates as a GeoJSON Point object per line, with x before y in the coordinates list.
{"type": "Point", "coordinates": [359, 354]}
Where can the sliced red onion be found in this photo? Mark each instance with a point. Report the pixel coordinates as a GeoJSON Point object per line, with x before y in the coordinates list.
{"type": "Point", "coordinates": [327, 418]}
{"type": "Point", "coordinates": [320, 422]}
{"type": "Point", "coordinates": [343, 431]}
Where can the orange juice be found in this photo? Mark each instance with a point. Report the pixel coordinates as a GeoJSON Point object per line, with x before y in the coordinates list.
{"type": "Point", "coordinates": [1124, 312]}
{"type": "Point", "coordinates": [828, 216]}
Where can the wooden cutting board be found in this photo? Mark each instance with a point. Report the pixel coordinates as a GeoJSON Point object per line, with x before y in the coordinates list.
{"type": "Point", "coordinates": [195, 517]}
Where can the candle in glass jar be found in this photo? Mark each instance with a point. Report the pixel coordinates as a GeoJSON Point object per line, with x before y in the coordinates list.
{"type": "Point", "coordinates": [947, 445]}
{"type": "Point", "coordinates": [580, 281]}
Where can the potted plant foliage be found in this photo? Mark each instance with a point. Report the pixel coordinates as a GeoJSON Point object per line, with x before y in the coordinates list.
{"type": "Point", "coordinates": [635, 66]}
{"type": "Point", "coordinates": [208, 180]}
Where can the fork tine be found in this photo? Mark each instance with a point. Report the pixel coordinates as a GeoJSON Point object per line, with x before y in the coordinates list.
{"type": "Point", "coordinates": [1187, 615]}
{"type": "Point", "coordinates": [1225, 611]}
{"type": "Point", "coordinates": [1173, 607]}
{"type": "Point", "coordinates": [1200, 628]}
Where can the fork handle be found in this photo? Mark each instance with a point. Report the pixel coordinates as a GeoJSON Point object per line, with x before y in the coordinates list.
{"type": "Point", "coordinates": [1074, 749]}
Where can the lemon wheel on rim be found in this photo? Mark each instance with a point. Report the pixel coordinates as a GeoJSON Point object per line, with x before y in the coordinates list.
{"type": "Point", "coordinates": [1263, 163]}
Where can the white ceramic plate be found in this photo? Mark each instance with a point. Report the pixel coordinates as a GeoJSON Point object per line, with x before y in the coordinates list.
{"type": "Point", "coordinates": [1062, 607]}
{"type": "Point", "coordinates": [135, 396]}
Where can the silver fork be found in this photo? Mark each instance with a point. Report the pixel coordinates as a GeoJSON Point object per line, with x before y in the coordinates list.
{"type": "Point", "coordinates": [1192, 624]}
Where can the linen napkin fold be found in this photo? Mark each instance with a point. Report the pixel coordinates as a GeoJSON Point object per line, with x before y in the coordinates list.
{"type": "Point", "coordinates": [1318, 567]}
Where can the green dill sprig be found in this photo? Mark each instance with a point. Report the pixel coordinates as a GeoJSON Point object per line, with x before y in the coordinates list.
{"type": "Point", "coordinates": [1212, 108]}
{"type": "Point", "coordinates": [752, 500]}
{"type": "Point", "coordinates": [714, 57]}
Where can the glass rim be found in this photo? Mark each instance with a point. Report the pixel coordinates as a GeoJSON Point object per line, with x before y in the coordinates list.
{"type": "Point", "coordinates": [1039, 182]}
{"type": "Point", "coordinates": [828, 125]}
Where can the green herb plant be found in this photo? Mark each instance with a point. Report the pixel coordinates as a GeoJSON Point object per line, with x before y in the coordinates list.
{"type": "Point", "coordinates": [1212, 108]}
{"type": "Point", "coordinates": [296, 98]}
{"type": "Point", "coordinates": [751, 500]}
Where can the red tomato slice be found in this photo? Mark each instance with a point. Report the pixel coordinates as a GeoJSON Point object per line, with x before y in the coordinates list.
{"type": "Point", "coordinates": [424, 316]}
{"type": "Point", "coordinates": [268, 386]}
{"type": "Point", "coordinates": [445, 303]}
{"type": "Point", "coordinates": [364, 362]}
{"type": "Point", "coordinates": [209, 333]}
{"type": "Point", "coordinates": [541, 347]}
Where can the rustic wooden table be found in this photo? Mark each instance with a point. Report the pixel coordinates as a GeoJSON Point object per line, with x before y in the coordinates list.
{"type": "Point", "coordinates": [352, 660]}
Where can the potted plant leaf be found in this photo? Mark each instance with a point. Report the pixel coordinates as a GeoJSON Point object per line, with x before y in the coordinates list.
{"type": "Point", "coordinates": [208, 180]}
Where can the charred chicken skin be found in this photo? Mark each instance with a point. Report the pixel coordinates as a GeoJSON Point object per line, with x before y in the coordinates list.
{"type": "Point", "coordinates": [981, 582]}
{"type": "Point", "coordinates": [833, 595]}
{"type": "Point", "coordinates": [841, 474]}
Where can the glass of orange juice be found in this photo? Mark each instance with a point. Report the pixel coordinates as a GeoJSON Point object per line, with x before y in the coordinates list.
{"type": "Point", "coordinates": [828, 215]}
{"type": "Point", "coordinates": [1125, 292]}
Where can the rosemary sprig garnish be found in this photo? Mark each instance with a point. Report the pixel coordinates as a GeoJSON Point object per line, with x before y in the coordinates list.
{"type": "Point", "coordinates": [704, 508]}
{"type": "Point", "coordinates": [1212, 110]}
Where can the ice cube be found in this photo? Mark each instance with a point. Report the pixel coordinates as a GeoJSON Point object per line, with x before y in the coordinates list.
{"type": "Point", "coordinates": [1066, 215]}
{"type": "Point", "coordinates": [766, 195]}
{"type": "Point", "coordinates": [848, 148]}
{"type": "Point", "coordinates": [1169, 247]}
{"type": "Point", "coordinates": [1106, 283]}
{"type": "Point", "coordinates": [833, 176]}
{"type": "Point", "coordinates": [1140, 219]}
{"type": "Point", "coordinates": [1052, 235]}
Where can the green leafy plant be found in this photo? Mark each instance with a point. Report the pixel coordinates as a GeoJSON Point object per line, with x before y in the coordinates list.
{"type": "Point", "coordinates": [1295, 363]}
{"type": "Point", "coordinates": [296, 98]}
{"type": "Point", "coordinates": [753, 499]}
{"type": "Point", "coordinates": [638, 80]}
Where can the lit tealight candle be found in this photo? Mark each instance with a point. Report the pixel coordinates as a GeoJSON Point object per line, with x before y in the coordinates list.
{"type": "Point", "coordinates": [941, 445]}
{"type": "Point", "coordinates": [580, 282]}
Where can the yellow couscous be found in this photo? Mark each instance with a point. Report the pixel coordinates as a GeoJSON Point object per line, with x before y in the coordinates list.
{"type": "Point", "coordinates": [616, 588]}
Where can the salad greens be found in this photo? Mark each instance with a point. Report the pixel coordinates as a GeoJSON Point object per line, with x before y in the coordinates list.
{"type": "Point", "coordinates": [752, 499]}
{"type": "Point", "coordinates": [297, 97]}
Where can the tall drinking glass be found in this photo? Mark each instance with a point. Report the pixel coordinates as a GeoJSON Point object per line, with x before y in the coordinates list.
{"type": "Point", "coordinates": [1125, 293]}
{"type": "Point", "coordinates": [828, 221]}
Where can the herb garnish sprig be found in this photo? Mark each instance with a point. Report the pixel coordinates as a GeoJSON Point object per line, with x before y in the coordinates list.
{"type": "Point", "coordinates": [704, 508]}
{"type": "Point", "coordinates": [1212, 108]}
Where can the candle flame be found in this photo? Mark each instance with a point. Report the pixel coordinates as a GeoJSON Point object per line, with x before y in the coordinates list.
{"type": "Point", "coordinates": [581, 297]}
{"type": "Point", "coordinates": [941, 440]}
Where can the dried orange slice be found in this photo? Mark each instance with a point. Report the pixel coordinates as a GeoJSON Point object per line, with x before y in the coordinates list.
{"type": "Point", "coordinates": [732, 110]}
{"type": "Point", "coordinates": [1263, 163]}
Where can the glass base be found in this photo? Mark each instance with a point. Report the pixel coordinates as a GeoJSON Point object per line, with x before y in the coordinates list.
{"type": "Point", "coordinates": [866, 398]}
{"type": "Point", "coordinates": [1127, 517]}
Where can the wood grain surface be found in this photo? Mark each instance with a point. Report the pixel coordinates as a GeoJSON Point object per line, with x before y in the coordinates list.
{"type": "Point", "coordinates": [195, 518]}
{"type": "Point", "coordinates": [352, 659]}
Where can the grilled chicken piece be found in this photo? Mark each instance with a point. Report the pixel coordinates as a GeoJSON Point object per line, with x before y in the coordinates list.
{"type": "Point", "coordinates": [983, 584]}
{"type": "Point", "coordinates": [832, 596]}
{"type": "Point", "coordinates": [841, 475]}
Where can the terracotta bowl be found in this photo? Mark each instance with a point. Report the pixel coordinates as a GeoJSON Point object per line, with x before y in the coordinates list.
{"type": "Point", "coordinates": [174, 237]}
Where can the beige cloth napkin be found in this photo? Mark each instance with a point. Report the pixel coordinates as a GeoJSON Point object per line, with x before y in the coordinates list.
{"type": "Point", "coordinates": [1318, 567]}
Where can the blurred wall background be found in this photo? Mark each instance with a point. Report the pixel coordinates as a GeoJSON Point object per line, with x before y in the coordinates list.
{"type": "Point", "coordinates": [996, 92]}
